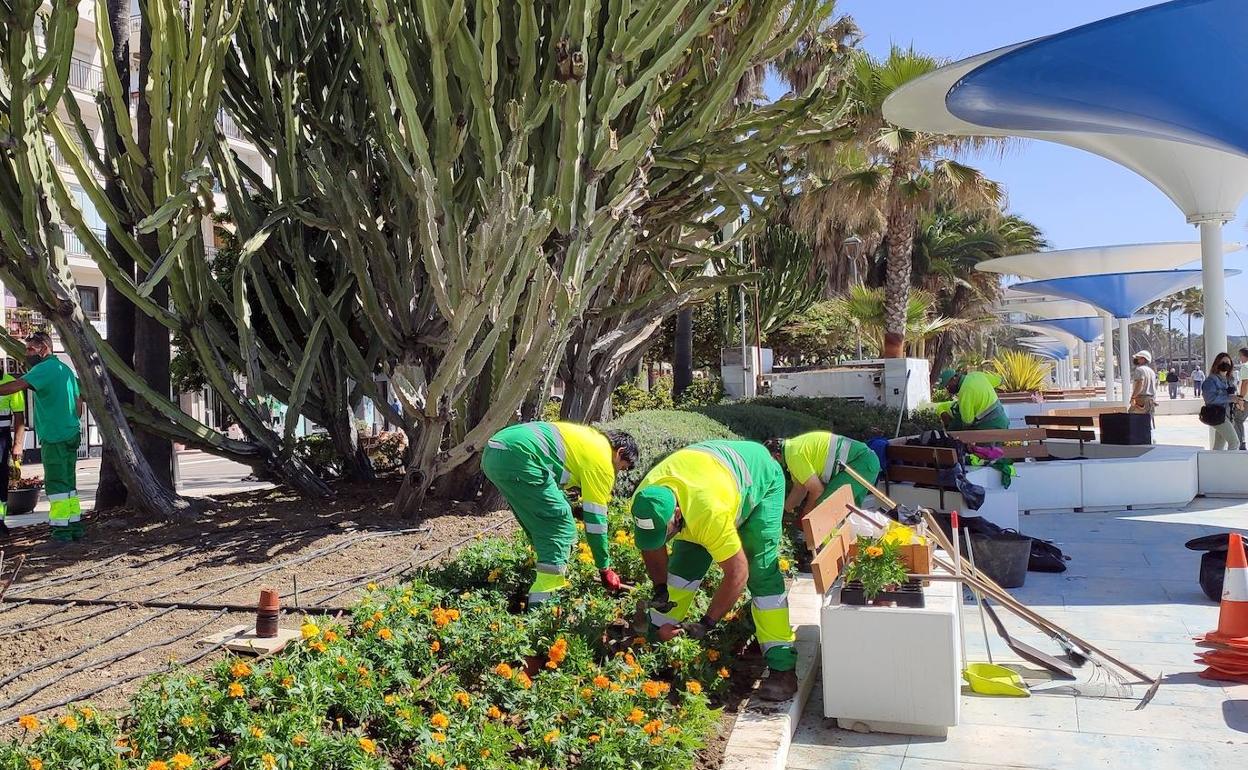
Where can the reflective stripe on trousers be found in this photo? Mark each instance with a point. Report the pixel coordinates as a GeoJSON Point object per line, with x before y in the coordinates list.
{"type": "Point", "coordinates": [842, 446]}
{"type": "Point", "coordinates": [680, 591]}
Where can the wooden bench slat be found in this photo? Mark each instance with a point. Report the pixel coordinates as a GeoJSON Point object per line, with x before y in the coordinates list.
{"type": "Point", "coordinates": [827, 517]}
{"type": "Point", "coordinates": [999, 436]}
{"type": "Point", "coordinates": [913, 475]}
{"type": "Point", "coordinates": [831, 561]}
{"type": "Point", "coordinates": [1077, 435]}
{"type": "Point", "coordinates": [922, 454]}
{"type": "Point", "coordinates": [1023, 451]}
{"type": "Point", "coordinates": [1043, 420]}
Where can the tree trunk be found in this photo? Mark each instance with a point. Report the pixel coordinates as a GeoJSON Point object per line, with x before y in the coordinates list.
{"type": "Point", "coordinates": [151, 352]}
{"type": "Point", "coordinates": [119, 320]}
{"type": "Point", "coordinates": [682, 355]}
{"type": "Point", "coordinates": [901, 224]}
{"type": "Point", "coordinates": [415, 488]}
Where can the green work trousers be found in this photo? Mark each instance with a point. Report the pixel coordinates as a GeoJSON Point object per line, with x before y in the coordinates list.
{"type": "Point", "coordinates": [866, 462]}
{"type": "Point", "coordinates": [60, 482]}
{"type": "Point", "coordinates": [541, 507]}
{"type": "Point", "coordinates": [760, 531]}
{"type": "Point", "coordinates": [994, 419]}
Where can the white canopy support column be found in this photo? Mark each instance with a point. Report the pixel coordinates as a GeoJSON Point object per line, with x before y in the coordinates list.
{"type": "Point", "coordinates": [1214, 280]}
{"type": "Point", "coordinates": [1107, 350]}
{"type": "Point", "coordinates": [1124, 359]}
{"type": "Point", "coordinates": [1085, 364]}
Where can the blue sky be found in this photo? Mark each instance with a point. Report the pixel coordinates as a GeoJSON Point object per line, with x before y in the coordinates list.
{"type": "Point", "coordinates": [1077, 198]}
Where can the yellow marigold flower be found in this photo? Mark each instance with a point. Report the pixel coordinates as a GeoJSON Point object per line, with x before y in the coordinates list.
{"type": "Point", "coordinates": [494, 575]}
{"type": "Point", "coordinates": [439, 737]}
{"type": "Point", "coordinates": [363, 672]}
{"type": "Point", "coordinates": [317, 646]}
{"type": "Point", "coordinates": [390, 699]}
{"type": "Point", "coordinates": [653, 727]}
{"type": "Point", "coordinates": [485, 753]}
{"type": "Point", "coordinates": [551, 736]}
{"type": "Point", "coordinates": [157, 765]}
{"type": "Point", "coordinates": [601, 682]}
{"type": "Point", "coordinates": [656, 740]}
{"type": "Point", "coordinates": [503, 670]}
{"type": "Point", "coordinates": [874, 551]}
{"type": "Point", "coordinates": [594, 738]}
{"type": "Point", "coordinates": [341, 660]}
{"type": "Point", "coordinates": [635, 716]}
{"type": "Point", "coordinates": [386, 634]}
{"type": "Point", "coordinates": [463, 698]}
{"type": "Point", "coordinates": [404, 713]}
{"type": "Point", "coordinates": [181, 761]}
{"type": "Point", "coordinates": [187, 722]}
{"type": "Point", "coordinates": [29, 722]}
{"type": "Point", "coordinates": [712, 655]}
{"type": "Point", "coordinates": [87, 712]}
{"type": "Point", "coordinates": [586, 693]}
{"type": "Point", "coordinates": [493, 712]}
{"type": "Point", "coordinates": [439, 721]}
{"type": "Point", "coordinates": [693, 686]}
{"type": "Point", "coordinates": [69, 722]}
{"type": "Point", "coordinates": [268, 762]}
{"type": "Point", "coordinates": [523, 680]}
{"type": "Point", "coordinates": [235, 690]}
{"type": "Point", "coordinates": [654, 689]}
{"type": "Point", "coordinates": [330, 635]}
{"type": "Point", "coordinates": [436, 759]}
{"type": "Point", "coordinates": [784, 565]}
{"type": "Point", "coordinates": [453, 614]}
{"type": "Point", "coordinates": [35, 763]}
{"type": "Point", "coordinates": [435, 646]}
{"type": "Point", "coordinates": [309, 630]}
{"type": "Point", "coordinates": [723, 673]}
{"type": "Point", "coordinates": [371, 586]}
{"type": "Point", "coordinates": [240, 670]}
{"type": "Point", "coordinates": [368, 745]}
{"type": "Point", "coordinates": [368, 625]}
{"type": "Point", "coordinates": [299, 740]}
{"type": "Point", "coordinates": [288, 681]}
{"type": "Point", "coordinates": [256, 732]}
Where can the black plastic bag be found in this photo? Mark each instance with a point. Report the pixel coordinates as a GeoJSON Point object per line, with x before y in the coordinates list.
{"type": "Point", "coordinates": [1046, 557]}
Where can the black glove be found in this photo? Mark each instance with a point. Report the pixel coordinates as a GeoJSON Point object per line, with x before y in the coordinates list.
{"type": "Point", "coordinates": [578, 511]}
{"type": "Point", "coordinates": [699, 629]}
{"type": "Point", "coordinates": [659, 600]}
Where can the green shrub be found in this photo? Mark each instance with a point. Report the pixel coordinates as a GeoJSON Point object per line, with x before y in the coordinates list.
{"type": "Point", "coordinates": [317, 450]}
{"type": "Point", "coordinates": [853, 419]}
{"type": "Point", "coordinates": [757, 422]}
{"type": "Point", "coordinates": [660, 432]}
{"type": "Point", "coordinates": [628, 397]}
{"type": "Point", "coordinates": [550, 410]}
{"type": "Point", "coordinates": [706, 391]}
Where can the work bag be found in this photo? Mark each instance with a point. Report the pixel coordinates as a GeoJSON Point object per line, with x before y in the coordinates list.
{"type": "Point", "coordinates": [1213, 415]}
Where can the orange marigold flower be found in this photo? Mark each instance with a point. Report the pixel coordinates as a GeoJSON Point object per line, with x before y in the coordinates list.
{"type": "Point", "coordinates": [181, 761]}
{"type": "Point", "coordinates": [368, 745]}
{"type": "Point", "coordinates": [317, 646]}
{"type": "Point", "coordinates": [654, 689]}
{"type": "Point", "coordinates": [29, 722]}
{"type": "Point", "coordinates": [436, 759]}
{"type": "Point", "coordinates": [453, 614]}
{"type": "Point", "coordinates": [693, 686]}
{"type": "Point", "coordinates": [299, 740]}
{"type": "Point", "coordinates": [503, 670]}
{"type": "Point", "coordinates": [439, 737]}
{"type": "Point", "coordinates": [157, 765]}
{"type": "Point", "coordinates": [493, 712]}
{"type": "Point", "coordinates": [330, 636]}
{"type": "Point", "coordinates": [656, 740]}
{"type": "Point", "coordinates": [557, 653]}
{"type": "Point", "coordinates": [586, 693]}
{"type": "Point", "coordinates": [635, 716]}
{"type": "Point", "coordinates": [652, 727]}
{"type": "Point", "coordinates": [240, 670]}
{"type": "Point", "coordinates": [601, 682]}
{"type": "Point", "coordinates": [256, 732]}
{"type": "Point", "coordinates": [874, 551]}
{"type": "Point", "coordinates": [435, 646]}
{"type": "Point", "coordinates": [385, 634]}
{"type": "Point", "coordinates": [236, 690]}
{"type": "Point", "coordinates": [712, 655]}
{"type": "Point", "coordinates": [288, 681]}
{"type": "Point", "coordinates": [69, 722]}
{"type": "Point", "coordinates": [463, 698]}
{"type": "Point", "coordinates": [87, 712]}
{"type": "Point", "coordinates": [35, 763]}
{"type": "Point", "coordinates": [439, 721]}
{"type": "Point", "coordinates": [368, 625]}
{"type": "Point", "coordinates": [551, 736]}
{"type": "Point", "coordinates": [594, 738]}
{"type": "Point", "coordinates": [723, 673]}
{"type": "Point", "coordinates": [523, 680]}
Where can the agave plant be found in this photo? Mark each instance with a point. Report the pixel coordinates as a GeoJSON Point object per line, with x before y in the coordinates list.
{"type": "Point", "coordinates": [865, 306]}
{"type": "Point", "coordinates": [1021, 372]}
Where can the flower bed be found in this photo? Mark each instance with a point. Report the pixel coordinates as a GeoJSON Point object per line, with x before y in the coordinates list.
{"type": "Point", "coordinates": [437, 673]}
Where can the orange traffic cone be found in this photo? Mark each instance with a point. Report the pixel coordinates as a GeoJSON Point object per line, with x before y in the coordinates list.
{"type": "Point", "coordinates": [1233, 614]}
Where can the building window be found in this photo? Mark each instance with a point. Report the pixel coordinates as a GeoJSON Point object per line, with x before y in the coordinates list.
{"type": "Point", "coordinates": [89, 297]}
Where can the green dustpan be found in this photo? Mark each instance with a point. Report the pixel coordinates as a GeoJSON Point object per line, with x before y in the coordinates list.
{"type": "Point", "coordinates": [987, 679]}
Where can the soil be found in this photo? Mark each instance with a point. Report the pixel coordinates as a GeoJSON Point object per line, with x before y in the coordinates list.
{"type": "Point", "coordinates": [238, 545]}
{"type": "Point", "coordinates": [746, 674]}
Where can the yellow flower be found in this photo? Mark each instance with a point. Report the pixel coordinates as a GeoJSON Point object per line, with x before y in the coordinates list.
{"type": "Point", "coordinates": [635, 716]}
{"type": "Point", "coordinates": [87, 712]}
{"type": "Point", "coordinates": [523, 680]}
{"type": "Point", "coordinates": [69, 722]}
{"type": "Point", "coordinates": [436, 759]}
{"type": "Point", "coordinates": [712, 655]}
{"type": "Point", "coordinates": [157, 765]}
{"type": "Point", "coordinates": [29, 722]}
{"type": "Point", "coordinates": [586, 693]}
{"type": "Point", "coordinates": [656, 740]}
{"type": "Point", "coordinates": [299, 740]}
{"type": "Point", "coordinates": [874, 551]}
{"type": "Point", "coordinates": [240, 670]}
{"type": "Point", "coordinates": [503, 670]}
{"type": "Point", "coordinates": [235, 690]}
{"type": "Point", "coordinates": [386, 634]}
{"type": "Point", "coordinates": [551, 736]}
{"type": "Point", "coordinates": [317, 646]}
{"type": "Point", "coordinates": [181, 761]}
{"type": "Point", "coordinates": [654, 689]}
{"type": "Point", "coordinates": [494, 575]}
{"type": "Point", "coordinates": [435, 646]}
{"type": "Point", "coordinates": [309, 630]}
{"type": "Point", "coordinates": [493, 712]}
{"type": "Point", "coordinates": [439, 737]}
{"type": "Point", "coordinates": [268, 761]}
{"type": "Point", "coordinates": [463, 698]}
{"type": "Point", "coordinates": [368, 745]}
{"type": "Point", "coordinates": [187, 722]}
{"type": "Point", "coordinates": [439, 721]}
{"type": "Point", "coordinates": [601, 682]}
{"type": "Point", "coordinates": [723, 673]}
{"type": "Point", "coordinates": [594, 738]}
{"type": "Point", "coordinates": [390, 699]}
{"type": "Point", "coordinates": [256, 732]}
{"type": "Point", "coordinates": [784, 565]}
{"type": "Point", "coordinates": [35, 763]}
{"type": "Point", "coordinates": [372, 586]}
{"type": "Point", "coordinates": [693, 686]}
{"type": "Point", "coordinates": [288, 682]}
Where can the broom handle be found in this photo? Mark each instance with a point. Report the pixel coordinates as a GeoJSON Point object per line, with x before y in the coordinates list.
{"type": "Point", "coordinates": [979, 600]}
{"type": "Point", "coordinates": [870, 487]}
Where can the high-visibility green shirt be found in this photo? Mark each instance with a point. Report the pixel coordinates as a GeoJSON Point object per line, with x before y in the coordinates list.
{"type": "Point", "coordinates": [14, 403]}
{"type": "Point", "coordinates": [976, 397]}
{"type": "Point", "coordinates": [712, 483]}
{"type": "Point", "coordinates": [816, 453]}
{"type": "Point", "coordinates": [56, 399]}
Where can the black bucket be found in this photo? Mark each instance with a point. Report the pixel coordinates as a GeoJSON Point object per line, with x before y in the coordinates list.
{"type": "Point", "coordinates": [1003, 557]}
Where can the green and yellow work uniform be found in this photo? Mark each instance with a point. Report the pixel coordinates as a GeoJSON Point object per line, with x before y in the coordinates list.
{"type": "Point", "coordinates": [10, 405]}
{"type": "Point", "coordinates": [730, 495]}
{"type": "Point", "coordinates": [56, 421]}
{"type": "Point", "coordinates": [976, 407]}
{"type": "Point", "coordinates": [817, 454]}
{"type": "Point", "coordinates": [530, 464]}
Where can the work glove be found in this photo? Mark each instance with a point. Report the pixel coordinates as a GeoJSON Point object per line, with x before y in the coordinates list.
{"type": "Point", "coordinates": [699, 628]}
{"type": "Point", "coordinates": [578, 511]}
{"type": "Point", "coordinates": [660, 600]}
{"type": "Point", "coordinates": [610, 579]}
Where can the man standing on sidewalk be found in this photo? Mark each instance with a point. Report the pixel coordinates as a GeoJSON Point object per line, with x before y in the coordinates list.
{"type": "Point", "coordinates": [12, 438]}
{"type": "Point", "coordinates": [57, 405]}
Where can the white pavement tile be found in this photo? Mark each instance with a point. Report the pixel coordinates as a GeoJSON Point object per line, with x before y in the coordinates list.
{"type": "Point", "coordinates": [1224, 724]}
{"type": "Point", "coordinates": [1055, 712]}
{"type": "Point", "coordinates": [824, 758]}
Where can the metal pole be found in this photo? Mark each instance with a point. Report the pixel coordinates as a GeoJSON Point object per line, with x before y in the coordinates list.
{"type": "Point", "coordinates": [1107, 351]}
{"type": "Point", "coordinates": [746, 363]}
{"type": "Point", "coordinates": [1214, 279]}
{"type": "Point", "coordinates": [1124, 359]}
{"type": "Point", "coordinates": [857, 330]}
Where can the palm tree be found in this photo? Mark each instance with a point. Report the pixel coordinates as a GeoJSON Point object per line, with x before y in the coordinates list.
{"type": "Point", "coordinates": [1192, 302]}
{"type": "Point", "coordinates": [1166, 306]}
{"type": "Point", "coordinates": [866, 307]}
{"type": "Point", "coordinates": [909, 174]}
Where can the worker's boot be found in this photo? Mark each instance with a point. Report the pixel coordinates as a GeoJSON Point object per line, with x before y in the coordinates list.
{"type": "Point", "coordinates": [4, 530]}
{"type": "Point", "coordinates": [778, 686]}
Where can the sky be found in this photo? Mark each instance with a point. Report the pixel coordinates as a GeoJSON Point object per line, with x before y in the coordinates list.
{"type": "Point", "coordinates": [1077, 199]}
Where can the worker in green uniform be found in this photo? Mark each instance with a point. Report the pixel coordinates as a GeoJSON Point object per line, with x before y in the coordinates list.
{"type": "Point", "coordinates": [57, 405]}
{"type": "Point", "coordinates": [812, 460]}
{"type": "Point", "coordinates": [722, 502]}
{"type": "Point", "coordinates": [12, 439]}
{"type": "Point", "coordinates": [531, 463]}
{"type": "Point", "coordinates": [975, 405]}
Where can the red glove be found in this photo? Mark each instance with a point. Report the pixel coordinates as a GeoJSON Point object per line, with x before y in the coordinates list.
{"type": "Point", "coordinates": [610, 579]}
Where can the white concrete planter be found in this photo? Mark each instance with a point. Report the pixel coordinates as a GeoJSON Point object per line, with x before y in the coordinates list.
{"type": "Point", "coordinates": [1049, 486]}
{"type": "Point", "coordinates": [1223, 474]}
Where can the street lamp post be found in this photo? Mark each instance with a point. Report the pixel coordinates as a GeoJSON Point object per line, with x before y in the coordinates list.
{"type": "Point", "coordinates": [853, 249]}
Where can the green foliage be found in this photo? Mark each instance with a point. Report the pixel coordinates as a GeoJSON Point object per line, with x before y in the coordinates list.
{"type": "Point", "coordinates": [818, 335]}
{"type": "Point", "coordinates": [757, 422]}
{"type": "Point", "coordinates": [852, 419]}
{"type": "Point", "coordinates": [629, 397]}
{"type": "Point", "coordinates": [877, 566]}
{"type": "Point", "coordinates": [1021, 372]}
{"type": "Point", "coordinates": [550, 410]}
{"type": "Point", "coordinates": [388, 450]}
{"type": "Point", "coordinates": [703, 391]}
{"type": "Point", "coordinates": [660, 432]}
{"type": "Point", "coordinates": [317, 451]}
{"type": "Point", "coordinates": [791, 278]}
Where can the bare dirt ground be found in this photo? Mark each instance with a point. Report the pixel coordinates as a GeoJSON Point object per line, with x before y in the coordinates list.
{"type": "Point", "coordinates": [241, 543]}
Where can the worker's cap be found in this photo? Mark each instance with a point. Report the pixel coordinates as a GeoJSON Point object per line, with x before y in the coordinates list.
{"type": "Point", "coordinates": [1144, 354]}
{"type": "Point", "coordinates": [945, 375]}
{"type": "Point", "coordinates": [653, 509]}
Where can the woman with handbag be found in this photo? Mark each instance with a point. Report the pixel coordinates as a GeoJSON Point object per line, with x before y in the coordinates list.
{"type": "Point", "coordinates": [1218, 390]}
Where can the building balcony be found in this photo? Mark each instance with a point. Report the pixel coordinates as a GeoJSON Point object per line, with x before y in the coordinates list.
{"type": "Point", "coordinates": [85, 77]}
{"type": "Point", "coordinates": [73, 244]}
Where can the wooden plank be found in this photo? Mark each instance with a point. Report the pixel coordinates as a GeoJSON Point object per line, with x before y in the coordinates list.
{"type": "Point", "coordinates": [1022, 451]}
{"type": "Point", "coordinates": [831, 561]}
{"type": "Point", "coordinates": [914, 475]}
{"type": "Point", "coordinates": [1076, 435]}
{"type": "Point", "coordinates": [827, 517]}
{"type": "Point", "coordinates": [1043, 420]}
{"type": "Point", "coordinates": [999, 436]}
{"type": "Point", "coordinates": [1090, 411]}
{"type": "Point", "coordinates": [944, 458]}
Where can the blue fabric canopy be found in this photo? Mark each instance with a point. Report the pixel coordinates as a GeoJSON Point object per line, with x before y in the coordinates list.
{"type": "Point", "coordinates": [1086, 329]}
{"type": "Point", "coordinates": [1173, 71]}
{"type": "Point", "coordinates": [1119, 294]}
{"type": "Point", "coordinates": [1055, 350]}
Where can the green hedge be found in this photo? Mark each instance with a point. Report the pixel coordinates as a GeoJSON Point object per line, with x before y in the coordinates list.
{"type": "Point", "coordinates": [758, 422]}
{"type": "Point", "coordinates": [660, 432]}
{"type": "Point", "coordinates": [852, 419]}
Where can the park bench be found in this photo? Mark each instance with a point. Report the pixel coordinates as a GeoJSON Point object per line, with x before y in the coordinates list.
{"type": "Point", "coordinates": [829, 536]}
{"type": "Point", "coordinates": [921, 466]}
{"type": "Point", "coordinates": [1077, 427]}
{"type": "Point", "coordinates": [1016, 443]}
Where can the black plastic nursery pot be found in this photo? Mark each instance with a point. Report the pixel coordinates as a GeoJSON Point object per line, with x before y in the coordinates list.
{"type": "Point", "coordinates": [22, 500]}
{"type": "Point", "coordinates": [909, 594]}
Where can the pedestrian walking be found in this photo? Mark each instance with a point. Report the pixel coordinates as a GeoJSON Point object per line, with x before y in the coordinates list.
{"type": "Point", "coordinates": [57, 406]}
{"type": "Point", "coordinates": [1242, 410]}
{"type": "Point", "coordinates": [12, 439]}
{"type": "Point", "coordinates": [1172, 381]}
{"type": "Point", "coordinates": [1143, 384]}
{"type": "Point", "coordinates": [1198, 380]}
{"type": "Point", "coordinates": [1219, 392]}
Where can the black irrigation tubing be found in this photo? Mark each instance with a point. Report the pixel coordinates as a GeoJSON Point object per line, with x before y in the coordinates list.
{"type": "Point", "coordinates": [58, 580]}
{"type": "Point", "coordinates": [354, 580]}
{"type": "Point", "coordinates": [27, 625]}
{"type": "Point", "coordinates": [81, 696]}
{"type": "Point", "coordinates": [88, 666]}
{"type": "Point", "coordinates": [196, 606]}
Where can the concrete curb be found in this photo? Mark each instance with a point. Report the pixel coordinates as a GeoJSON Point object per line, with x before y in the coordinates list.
{"type": "Point", "coordinates": [763, 732]}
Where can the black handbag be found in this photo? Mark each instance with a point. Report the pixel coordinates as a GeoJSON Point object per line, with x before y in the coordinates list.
{"type": "Point", "coordinates": [1213, 415]}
